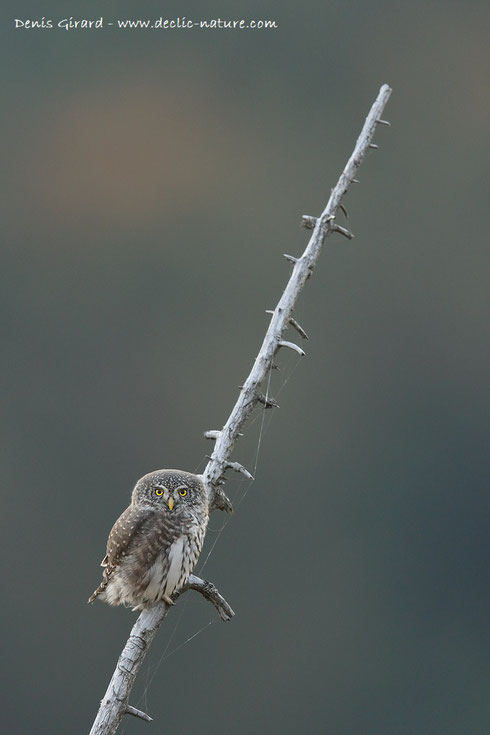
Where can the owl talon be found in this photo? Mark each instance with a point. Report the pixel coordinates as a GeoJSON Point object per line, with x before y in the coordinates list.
{"type": "Point", "coordinates": [168, 600]}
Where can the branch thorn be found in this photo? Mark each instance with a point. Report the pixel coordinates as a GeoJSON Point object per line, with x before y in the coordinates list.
{"type": "Point", "coordinates": [298, 327]}
{"type": "Point", "coordinates": [239, 468]}
{"type": "Point", "coordinates": [138, 713]}
{"type": "Point", "coordinates": [342, 231]}
{"type": "Point", "coordinates": [308, 221]}
{"type": "Point", "coordinates": [294, 324]}
{"type": "Point", "coordinates": [212, 434]}
{"type": "Point", "coordinates": [266, 401]}
{"type": "Point", "coordinates": [292, 346]}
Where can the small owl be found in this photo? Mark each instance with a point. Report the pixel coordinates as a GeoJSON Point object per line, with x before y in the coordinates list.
{"type": "Point", "coordinates": [155, 544]}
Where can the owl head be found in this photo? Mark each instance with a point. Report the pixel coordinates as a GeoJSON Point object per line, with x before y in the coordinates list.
{"type": "Point", "coordinates": [172, 491]}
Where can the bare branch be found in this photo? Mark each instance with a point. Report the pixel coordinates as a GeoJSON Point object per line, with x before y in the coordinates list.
{"type": "Point", "coordinates": [115, 703]}
{"type": "Point", "coordinates": [113, 706]}
{"type": "Point", "coordinates": [303, 266]}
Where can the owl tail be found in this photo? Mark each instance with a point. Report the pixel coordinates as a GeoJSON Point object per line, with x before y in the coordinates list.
{"type": "Point", "coordinates": [99, 589]}
{"type": "Point", "coordinates": [103, 584]}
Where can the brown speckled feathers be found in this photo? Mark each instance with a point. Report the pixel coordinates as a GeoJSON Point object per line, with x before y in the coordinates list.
{"type": "Point", "coordinates": [122, 540]}
{"type": "Point", "coordinates": [155, 543]}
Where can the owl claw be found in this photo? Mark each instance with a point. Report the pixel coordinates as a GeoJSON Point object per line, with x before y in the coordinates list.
{"type": "Point", "coordinates": [168, 600]}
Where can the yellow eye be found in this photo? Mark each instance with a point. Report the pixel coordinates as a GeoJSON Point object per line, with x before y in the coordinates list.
{"type": "Point", "coordinates": [182, 493]}
{"type": "Point", "coordinates": [158, 491]}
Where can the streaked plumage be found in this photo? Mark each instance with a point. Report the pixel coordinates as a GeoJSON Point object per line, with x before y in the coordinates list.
{"type": "Point", "coordinates": [154, 545]}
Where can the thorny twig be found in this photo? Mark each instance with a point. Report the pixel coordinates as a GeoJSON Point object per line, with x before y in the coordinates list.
{"type": "Point", "coordinates": [115, 702]}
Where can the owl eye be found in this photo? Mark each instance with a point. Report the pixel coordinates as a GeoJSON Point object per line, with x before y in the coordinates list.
{"type": "Point", "coordinates": [182, 493]}
{"type": "Point", "coordinates": [158, 491]}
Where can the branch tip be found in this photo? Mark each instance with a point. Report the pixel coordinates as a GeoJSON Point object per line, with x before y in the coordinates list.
{"type": "Point", "coordinates": [373, 145]}
{"type": "Point", "coordinates": [383, 122]}
{"type": "Point", "coordinates": [291, 258]}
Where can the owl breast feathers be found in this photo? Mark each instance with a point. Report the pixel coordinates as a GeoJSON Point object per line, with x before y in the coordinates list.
{"type": "Point", "coordinates": [155, 544]}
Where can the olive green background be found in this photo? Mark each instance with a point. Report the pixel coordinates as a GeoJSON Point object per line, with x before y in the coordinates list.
{"type": "Point", "coordinates": [151, 182]}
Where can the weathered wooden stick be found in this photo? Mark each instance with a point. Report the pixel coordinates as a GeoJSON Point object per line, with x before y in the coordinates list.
{"type": "Point", "coordinates": [115, 703]}
{"type": "Point", "coordinates": [302, 268]}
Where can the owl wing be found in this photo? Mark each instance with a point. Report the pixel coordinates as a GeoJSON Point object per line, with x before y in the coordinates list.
{"type": "Point", "coordinates": [138, 538]}
{"type": "Point", "coordinates": [124, 533]}
{"type": "Point", "coordinates": [121, 541]}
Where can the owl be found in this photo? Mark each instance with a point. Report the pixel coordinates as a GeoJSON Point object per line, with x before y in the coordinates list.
{"type": "Point", "coordinates": [154, 545]}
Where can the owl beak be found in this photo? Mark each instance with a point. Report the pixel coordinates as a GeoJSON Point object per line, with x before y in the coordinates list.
{"type": "Point", "coordinates": [171, 503]}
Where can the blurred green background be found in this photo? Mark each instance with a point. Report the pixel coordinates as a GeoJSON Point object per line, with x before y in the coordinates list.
{"type": "Point", "coordinates": [151, 183]}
